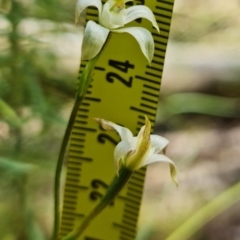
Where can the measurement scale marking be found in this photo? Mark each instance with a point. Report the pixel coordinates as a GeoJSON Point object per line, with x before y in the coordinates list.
{"type": "Point", "coordinates": [147, 106]}
{"type": "Point", "coordinates": [132, 212]}
{"type": "Point", "coordinates": [164, 9]}
{"type": "Point", "coordinates": [161, 48]}
{"type": "Point", "coordinates": [149, 100]}
{"type": "Point", "coordinates": [69, 207]}
{"type": "Point", "coordinates": [74, 168]}
{"type": "Point", "coordinates": [162, 23]}
{"type": "Point", "coordinates": [135, 184]}
{"type": "Point", "coordinates": [85, 129]}
{"type": "Point", "coordinates": [72, 180]}
{"type": "Point", "coordinates": [77, 186]}
{"type": "Point", "coordinates": [167, 2]}
{"type": "Point", "coordinates": [76, 151]}
{"type": "Point", "coordinates": [134, 177]}
{"type": "Point", "coordinates": [92, 99]}
{"type": "Point", "coordinates": [85, 104]}
{"type": "Point", "coordinates": [67, 201]}
{"type": "Point", "coordinates": [142, 111]}
{"type": "Point", "coordinates": [71, 190]}
{"type": "Point", "coordinates": [100, 68]}
{"type": "Point", "coordinates": [157, 14]}
{"type": "Point", "coordinates": [156, 69]}
{"type": "Point", "coordinates": [80, 158]}
{"type": "Point", "coordinates": [77, 133]}
{"type": "Point", "coordinates": [74, 214]}
{"type": "Point", "coordinates": [159, 41]}
{"type": "Point", "coordinates": [132, 224]}
{"type": "Point", "coordinates": [83, 110]}
{"type": "Point", "coordinates": [82, 116]}
{"type": "Point", "coordinates": [125, 228]}
{"type": "Point", "coordinates": [133, 208]}
{"type": "Point", "coordinates": [133, 193]}
{"type": "Point", "coordinates": [71, 155]}
{"type": "Point", "coordinates": [76, 145]}
{"type": "Point", "coordinates": [127, 199]}
{"type": "Point", "coordinates": [129, 218]}
{"type": "Point", "coordinates": [150, 87]}
{"type": "Point", "coordinates": [74, 162]}
{"type": "Point", "coordinates": [140, 123]}
{"type": "Point", "coordinates": [81, 122]}
{"type": "Point", "coordinates": [153, 75]}
{"type": "Point", "coordinates": [157, 61]}
{"type": "Point", "coordinates": [137, 197]}
{"type": "Point", "coordinates": [93, 14]}
{"type": "Point", "coordinates": [159, 56]}
{"type": "Point", "coordinates": [147, 79]}
{"type": "Point", "coordinates": [78, 139]}
{"type": "Point", "coordinates": [70, 197]}
{"type": "Point", "coordinates": [134, 180]}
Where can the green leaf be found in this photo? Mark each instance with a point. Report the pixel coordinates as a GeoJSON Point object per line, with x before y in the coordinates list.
{"type": "Point", "coordinates": [9, 115]}
{"type": "Point", "coordinates": [14, 167]}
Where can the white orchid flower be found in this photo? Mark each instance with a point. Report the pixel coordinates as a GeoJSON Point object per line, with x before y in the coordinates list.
{"type": "Point", "coordinates": [112, 17]}
{"type": "Point", "coordinates": [136, 152]}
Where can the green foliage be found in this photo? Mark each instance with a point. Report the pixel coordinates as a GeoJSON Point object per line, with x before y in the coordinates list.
{"type": "Point", "coordinates": [9, 115]}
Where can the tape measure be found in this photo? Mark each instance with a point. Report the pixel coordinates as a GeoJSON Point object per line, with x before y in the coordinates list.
{"type": "Point", "coordinates": [125, 88]}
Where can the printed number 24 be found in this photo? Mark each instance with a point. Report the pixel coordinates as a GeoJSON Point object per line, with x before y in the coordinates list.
{"type": "Point", "coordinates": [123, 67]}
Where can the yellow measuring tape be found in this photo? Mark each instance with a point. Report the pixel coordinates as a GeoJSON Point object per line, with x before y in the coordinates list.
{"type": "Point", "coordinates": [125, 88]}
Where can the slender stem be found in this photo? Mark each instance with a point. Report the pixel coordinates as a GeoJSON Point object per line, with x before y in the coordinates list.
{"type": "Point", "coordinates": [84, 82]}
{"type": "Point", "coordinates": [59, 166]}
{"type": "Point", "coordinates": [117, 184]}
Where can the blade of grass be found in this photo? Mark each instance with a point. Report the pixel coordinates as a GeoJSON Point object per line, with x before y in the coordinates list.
{"type": "Point", "coordinates": [222, 202]}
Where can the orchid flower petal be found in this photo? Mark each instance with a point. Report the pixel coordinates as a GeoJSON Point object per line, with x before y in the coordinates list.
{"type": "Point", "coordinates": [142, 149]}
{"type": "Point", "coordinates": [83, 4]}
{"type": "Point", "coordinates": [120, 152]}
{"type": "Point", "coordinates": [162, 158]}
{"type": "Point", "coordinates": [143, 137]}
{"type": "Point", "coordinates": [158, 143]}
{"type": "Point", "coordinates": [136, 12]}
{"type": "Point", "coordinates": [143, 37]}
{"type": "Point", "coordinates": [110, 19]}
{"type": "Point", "coordinates": [125, 133]}
{"type": "Point", "coordinates": [93, 40]}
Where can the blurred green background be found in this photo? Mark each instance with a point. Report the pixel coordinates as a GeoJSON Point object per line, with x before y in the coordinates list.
{"type": "Point", "coordinates": [199, 110]}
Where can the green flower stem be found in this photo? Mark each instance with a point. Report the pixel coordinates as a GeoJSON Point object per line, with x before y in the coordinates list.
{"type": "Point", "coordinates": [84, 82]}
{"type": "Point", "coordinates": [86, 77]}
{"type": "Point", "coordinates": [117, 184]}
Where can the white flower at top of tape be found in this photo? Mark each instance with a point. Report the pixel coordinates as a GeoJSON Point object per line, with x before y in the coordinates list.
{"type": "Point", "coordinates": [136, 152]}
{"type": "Point", "coordinates": [112, 17]}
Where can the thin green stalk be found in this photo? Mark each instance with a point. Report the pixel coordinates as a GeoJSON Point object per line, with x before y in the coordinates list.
{"type": "Point", "coordinates": [115, 187]}
{"type": "Point", "coordinates": [84, 83]}
{"type": "Point", "coordinates": [207, 213]}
